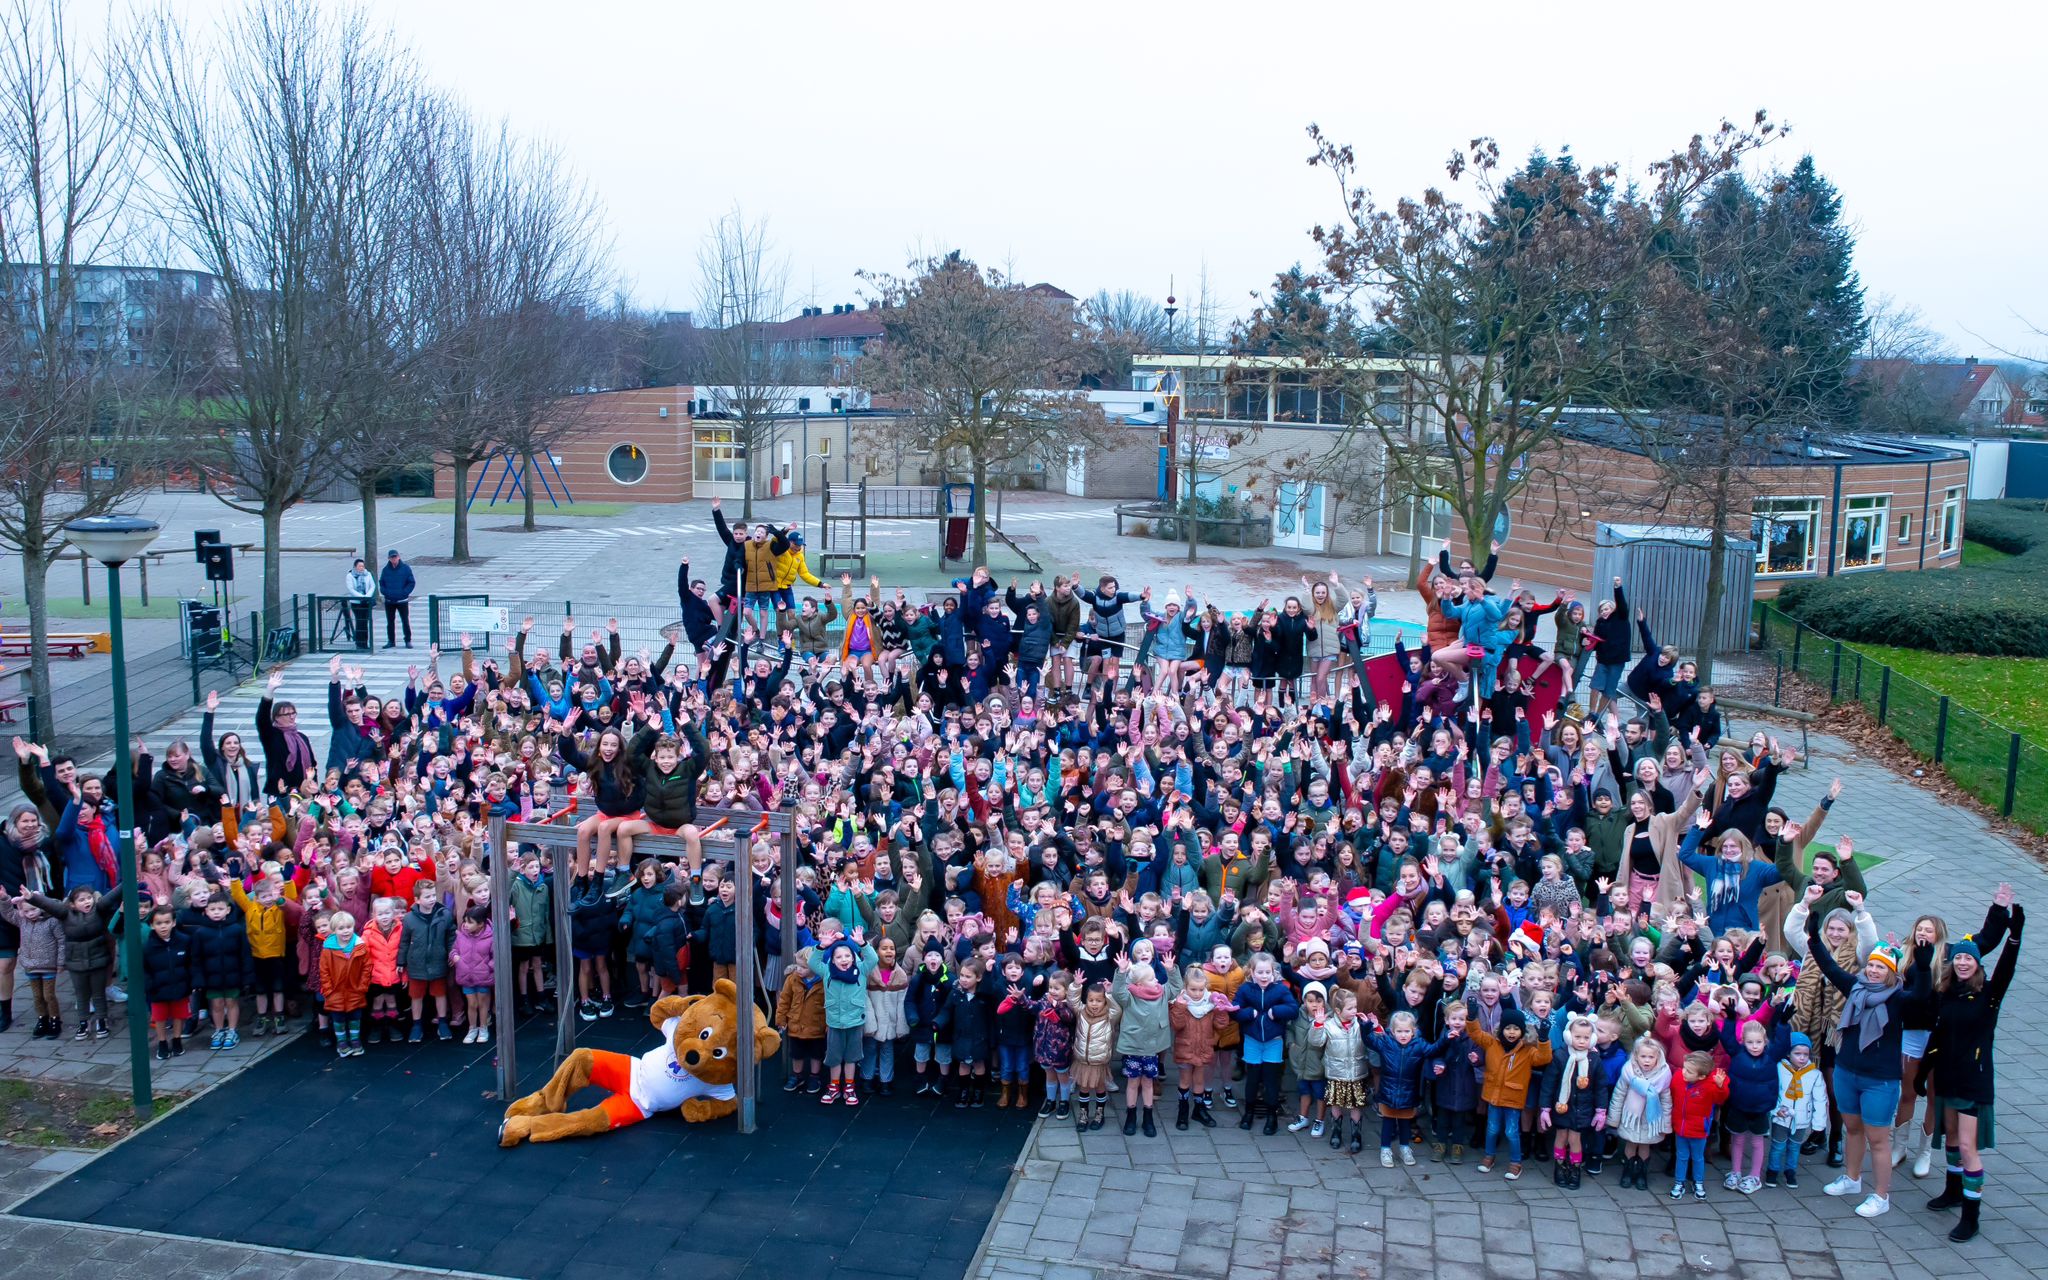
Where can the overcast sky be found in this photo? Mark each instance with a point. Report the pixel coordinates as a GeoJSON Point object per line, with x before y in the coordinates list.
{"type": "Point", "coordinates": [1116, 145]}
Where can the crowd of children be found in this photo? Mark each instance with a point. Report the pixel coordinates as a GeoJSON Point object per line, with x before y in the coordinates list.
{"type": "Point", "coordinates": [1047, 858]}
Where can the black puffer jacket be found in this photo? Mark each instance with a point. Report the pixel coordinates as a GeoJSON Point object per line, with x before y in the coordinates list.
{"type": "Point", "coordinates": [220, 954]}
{"type": "Point", "coordinates": [167, 967]}
{"type": "Point", "coordinates": [88, 944]}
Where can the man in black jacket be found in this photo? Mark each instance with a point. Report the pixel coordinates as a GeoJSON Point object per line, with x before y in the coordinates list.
{"type": "Point", "coordinates": [395, 583]}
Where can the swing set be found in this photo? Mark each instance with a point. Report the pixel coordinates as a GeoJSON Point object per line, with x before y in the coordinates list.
{"type": "Point", "coordinates": [509, 472]}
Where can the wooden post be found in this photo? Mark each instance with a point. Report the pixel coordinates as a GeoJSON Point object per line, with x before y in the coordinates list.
{"type": "Point", "coordinates": [503, 1002]}
{"type": "Point", "coordinates": [1941, 730]}
{"type": "Point", "coordinates": [746, 961]}
{"type": "Point", "coordinates": [1884, 694]}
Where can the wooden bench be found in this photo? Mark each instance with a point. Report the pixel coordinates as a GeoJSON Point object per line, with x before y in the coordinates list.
{"type": "Point", "coordinates": [72, 644]}
{"type": "Point", "coordinates": [1760, 710]}
{"type": "Point", "coordinates": [8, 706]}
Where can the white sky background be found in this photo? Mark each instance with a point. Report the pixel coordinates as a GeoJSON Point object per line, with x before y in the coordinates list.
{"type": "Point", "coordinates": [1112, 145]}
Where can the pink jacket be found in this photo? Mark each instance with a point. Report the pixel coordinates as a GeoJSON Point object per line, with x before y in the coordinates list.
{"type": "Point", "coordinates": [471, 962]}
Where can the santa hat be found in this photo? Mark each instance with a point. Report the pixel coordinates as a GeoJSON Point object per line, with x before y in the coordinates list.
{"type": "Point", "coordinates": [1529, 935]}
{"type": "Point", "coordinates": [1358, 900]}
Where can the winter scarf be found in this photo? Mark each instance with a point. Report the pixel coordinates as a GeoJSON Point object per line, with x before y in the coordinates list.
{"type": "Point", "coordinates": [1645, 1101]}
{"type": "Point", "coordinates": [94, 823]}
{"type": "Point", "coordinates": [1577, 1067]}
{"type": "Point", "coordinates": [1795, 1088]}
{"type": "Point", "coordinates": [1867, 1008]}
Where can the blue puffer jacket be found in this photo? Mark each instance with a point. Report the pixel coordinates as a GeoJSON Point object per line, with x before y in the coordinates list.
{"type": "Point", "coordinates": [1401, 1068]}
{"type": "Point", "coordinates": [1457, 1089]}
{"type": "Point", "coordinates": [1479, 621]}
{"type": "Point", "coordinates": [1752, 1078]}
{"type": "Point", "coordinates": [1264, 1012]}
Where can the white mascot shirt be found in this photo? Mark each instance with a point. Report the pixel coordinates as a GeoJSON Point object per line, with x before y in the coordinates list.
{"type": "Point", "coordinates": [660, 1083]}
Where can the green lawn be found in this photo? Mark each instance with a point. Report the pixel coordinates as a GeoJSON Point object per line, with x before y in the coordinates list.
{"type": "Point", "coordinates": [541, 511]}
{"type": "Point", "coordinates": [1977, 555]}
{"type": "Point", "coordinates": [72, 608]}
{"type": "Point", "coordinates": [2006, 690]}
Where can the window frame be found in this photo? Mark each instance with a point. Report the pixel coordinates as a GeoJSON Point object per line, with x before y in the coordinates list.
{"type": "Point", "coordinates": [611, 471]}
{"type": "Point", "coordinates": [1951, 528]}
{"type": "Point", "coordinates": [1876, 507]}
{"type": "Point", "coordinates": [1810, 507]}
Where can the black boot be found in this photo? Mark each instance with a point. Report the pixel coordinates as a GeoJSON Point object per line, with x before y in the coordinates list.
{"type": "Point", "coordinates": [1202, 1115]}
{"type": "Point", "coordinates": [1244, 1117]}
{"type": "Point", "coordinates": [1574, 1175]}
{"type": "Point", "coordinates": [1180, 1117]}
{"type": "Point", "coordinates": [1834, 1151]}
{"type": "Point", "coordinates": [1272, 1121]}
{"type": "Point", "coordinates": [6, 1014]}
{"type": "Point", "coordinates": [1951, 1192]}
{"type": "Point", "coordinates": [1151, 1130]}
{"type": "Point", "coordinates": [1967, 1228]}
{"type": "Point", "coordinates": [1130, 1120]}
{"type": "Point", "coordinates": [1337, 1133]}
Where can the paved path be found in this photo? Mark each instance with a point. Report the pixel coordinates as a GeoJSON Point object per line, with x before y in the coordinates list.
{"type": "Point", "coordinates": [1221, 1202]}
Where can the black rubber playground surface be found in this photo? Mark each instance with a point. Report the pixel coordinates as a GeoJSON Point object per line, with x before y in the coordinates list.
{"type": "Point", "coordinates": [392, 1157]}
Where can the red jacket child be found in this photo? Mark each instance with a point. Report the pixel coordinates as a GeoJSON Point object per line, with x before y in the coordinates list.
{"type": "Point", "coordinates": [1693, 1101]}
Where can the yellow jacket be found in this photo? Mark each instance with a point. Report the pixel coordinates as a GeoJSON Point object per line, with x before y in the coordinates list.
{"type": "Point", "coordinates": [269, 927]}
{"type": "Point", "coordinates": [790, 566]}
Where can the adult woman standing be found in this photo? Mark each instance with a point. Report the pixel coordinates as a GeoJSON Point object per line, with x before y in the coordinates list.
{"type": "Point", "coordinates": [233, 773]}
{"type": "Point", "coordinates": [1867, 1076]}
{"type": "Point", "coordinates": [1959, 1055]}
{"type": "Point", "coordinates": [24, 865]}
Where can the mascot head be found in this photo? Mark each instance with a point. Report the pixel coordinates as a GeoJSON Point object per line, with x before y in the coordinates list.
{"type": "Point", "coordinates": [706, 1039]}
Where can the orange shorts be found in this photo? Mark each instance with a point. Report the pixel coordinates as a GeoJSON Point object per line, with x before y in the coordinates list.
{"type": "Point", "coordinates": [613, 1073]}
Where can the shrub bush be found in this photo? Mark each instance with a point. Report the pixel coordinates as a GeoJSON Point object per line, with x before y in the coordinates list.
{"type": "Point", "coordinates": [1998, 610]}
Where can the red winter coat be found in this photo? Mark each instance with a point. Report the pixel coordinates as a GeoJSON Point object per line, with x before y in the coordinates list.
{"type": "Point", "coordinates": [1692, 1104]}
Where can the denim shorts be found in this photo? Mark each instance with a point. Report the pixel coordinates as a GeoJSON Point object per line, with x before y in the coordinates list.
{"type": "Point", "coordinates": [1266, 1051]}
{"type": "Point", "coordinates": [1311, 1089]}
{"type": "Point", "coordinates": [926, 1051]}
{"type": "Point", "coordinates": [1877, 1101]}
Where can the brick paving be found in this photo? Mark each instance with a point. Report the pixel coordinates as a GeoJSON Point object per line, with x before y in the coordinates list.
{"type": "Point", "coordinates": [1216, 1203]}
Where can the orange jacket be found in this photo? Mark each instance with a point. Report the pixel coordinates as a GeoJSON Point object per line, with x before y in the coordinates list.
{"type": "Point", "coordinates": [345, 976]}
{"type": "Point", "coordinates": [1442, 631]}
{"type": "Point", "coordinates": [1506, 1082]}
{"type": "Point", "coordinates": [383, 948]}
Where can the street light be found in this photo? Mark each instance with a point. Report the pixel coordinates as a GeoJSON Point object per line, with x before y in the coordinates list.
{"type": "Point", "coordinates": [113, 541]}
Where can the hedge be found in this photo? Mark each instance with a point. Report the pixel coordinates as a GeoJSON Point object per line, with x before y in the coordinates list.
{"type": "Point", "coordinates": [1998, 610]}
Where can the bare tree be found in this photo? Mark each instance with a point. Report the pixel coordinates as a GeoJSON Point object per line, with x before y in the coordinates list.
{"type": "Point", "coordinates": [744, 288]}
{"type": "Point", "coordinates": [276, 147]}
{"type": "Point", "coordinates": [1898, 331]}
{"type": "Point", "coordinates": [76, 436]}
{"type": "Point", "coordinates": [1497, 315]}
{"type": "Point", "coordinates": [973, 359]}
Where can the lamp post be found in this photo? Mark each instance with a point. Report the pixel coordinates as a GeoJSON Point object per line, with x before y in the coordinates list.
{"type": "Point", "coordinates": [113, 541]}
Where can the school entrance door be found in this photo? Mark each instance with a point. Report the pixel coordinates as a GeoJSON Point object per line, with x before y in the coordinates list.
{"type": "Point", "coordinates": [1298, 516]}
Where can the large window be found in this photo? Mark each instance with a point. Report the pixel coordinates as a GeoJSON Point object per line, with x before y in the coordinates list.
{"type": "Point", "coordinates": [1951, 520]}
{"type": "Point", "coordinates": [719, 460]}
{"type": "Point", "coordinates": [1248, 397]}
{"type": "Point", "coordinates": [1787, 534]}
{"type": "Point", "coordinates": [1294, 398]}
{"type": "Point", "coordinates": [1863, 525]}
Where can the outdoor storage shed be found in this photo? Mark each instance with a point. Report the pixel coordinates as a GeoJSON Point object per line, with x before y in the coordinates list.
{"type": "Point", "coordinates": [1664, 570]}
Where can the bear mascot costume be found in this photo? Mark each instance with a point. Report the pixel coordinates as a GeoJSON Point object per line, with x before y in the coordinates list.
{"type": "Point", "coordinates": [694, 1068]}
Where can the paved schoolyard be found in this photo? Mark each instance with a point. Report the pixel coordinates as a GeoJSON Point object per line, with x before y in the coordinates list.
{"type": "Point", "coordinates": [1215, 1203]}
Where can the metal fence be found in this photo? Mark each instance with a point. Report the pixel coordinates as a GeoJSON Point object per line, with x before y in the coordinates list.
{"type": "Point", "coordinates": [1987, 759]}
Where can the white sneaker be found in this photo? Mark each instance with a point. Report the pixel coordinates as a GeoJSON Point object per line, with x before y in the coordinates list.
{"type": "Point", "coordinates": [1317, 1130]}
{"type": "Point", "coordinates": [1923, 1162]}
{"type": "Point", "coordinates": [1300, 1123]}
{"type": "Point", "coordinates": [1843, 1186]}
{"type": "Point", "coordinates": [469, 1036]}
{"type": "Point", "coordinates": [1732, 1181]}
{"type": "Point", "coordinates": [116, 994]}
{"type": "Point", "coordinates": [1874, 1206]}
{"type": "Point", "coordinates": [1407, 1155]}
{"type": "Point", "coordinates": [1750, 1186]}
{"type": "Point", "coordinates": [1386, 1157]}
{"type": "Point", "coordinates": [483, 1035]}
